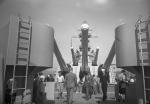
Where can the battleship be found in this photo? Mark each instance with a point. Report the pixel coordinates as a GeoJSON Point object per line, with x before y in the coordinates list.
{"type": "Point", "coordinates": [27, 48]}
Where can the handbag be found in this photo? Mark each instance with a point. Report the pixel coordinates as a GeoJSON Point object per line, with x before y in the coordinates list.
{"type": "Point", "coordinates": [74, 89]}
{"type": "Point", "coordinates": [83, 89]}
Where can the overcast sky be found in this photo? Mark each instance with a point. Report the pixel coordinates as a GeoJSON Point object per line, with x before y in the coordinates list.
{"type": "Point", "coordinates": [66, 16]}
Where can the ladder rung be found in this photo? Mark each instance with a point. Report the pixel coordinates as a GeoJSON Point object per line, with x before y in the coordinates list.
{"type": "Point", "coordinates": [22, 54]}
{"type": "Point", "coordinates": [22, 59]}
{"type": "Point", "coordinates": [25, 38]}
{"type": "Point", "coordinates": [142, 31]}
{"type": "Point", "coordinates": [143, 40]}
{"type": "Point", "coordinates": [144, 61]}
{"type": "Point", "coordinates": [19, 89]}
{"type": "Point", "coordinates": [26, 28]}
{"type": "Point", "coordinates": [22, 48]}
{"type": "Point", "coordinates": [20, 64]}
{"type": "Point", "coordinates": [20, 76]}
{"type": "Point", "coordinates": [147, 77]}
{"type": "Point", "coordinates": [25, 22]}
{"type": "Point", "coordinates": [24, 43]}
{"type": "Point", "coordinates": [142, 22]}
{"type": "Point", "coordinates": [147, 89]}
{"type": "Point", "coordinates": [145, 53]}
{"type": "Point", "coordinates": [143, 50]}
{"type": "Point", "coordinates": [24, 32]}
{"type": "Point", "coordinates": [144, 64]}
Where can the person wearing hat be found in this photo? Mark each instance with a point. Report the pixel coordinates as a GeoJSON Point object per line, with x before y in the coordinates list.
{"type": "Point", "coordinates": [36, 82]}
{"type": "Point", "coordinates": [60, 82]}
{"type": "Point", "coordinates": [70, 84]}
{"type": "Point", "coordinates": [104, 79]}
{"type": "Point", "coordinates": [41, 94]}
{"type": "Point", "coordinates": [89, 85]}
{"type": "Point", "coordinates": [9, 96]}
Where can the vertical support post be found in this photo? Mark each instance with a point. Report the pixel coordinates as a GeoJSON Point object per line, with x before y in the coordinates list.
{"type": "Point", "coordinates": [140, 46]}
{"type": "Point", "coordinates": [1, 79]}
{"type": "Point", "coordinates": [139, 84]}
{"type": "Point", "coordinates": [142, 66]}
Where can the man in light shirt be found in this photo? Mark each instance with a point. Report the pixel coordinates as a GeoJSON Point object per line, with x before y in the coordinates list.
{"type": "Point", "coordinates": [60, 82]}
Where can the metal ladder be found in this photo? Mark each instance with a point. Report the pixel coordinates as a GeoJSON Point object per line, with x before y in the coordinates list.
{"type": "Point", "coordinates": [143, 54]}
{"type": "Point", "coordinates": [22, 54]}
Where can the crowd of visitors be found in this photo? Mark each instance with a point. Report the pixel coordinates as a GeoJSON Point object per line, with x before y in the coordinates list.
{"type": "Point", "coordinates": [88, 85]}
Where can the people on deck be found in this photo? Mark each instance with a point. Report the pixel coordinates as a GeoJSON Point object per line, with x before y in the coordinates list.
{"type": "Point", "coordinates": [104, 79]}
{"type": "Point", "coordinates": [35, 88]}
{"type": "Point", "coordinates": [50, 78]}
{"type": "Point", "coordinates": [95, 85]}
{"type": "Point", "coordinates": [80, 85]}
{"type": "Point", "coordinates": [88, 85]}
{"type": "Point", "coordinates": [99, 87]}
{"type": "Point", "coordinates": [70, 84]}
{"type": "Point", "coordinates": [122, 84]}
{"type": "Point", "coordinates": [60, 84]}
{"type": "Point", "coordinates": [9, 95]}
{"type": "Point", "coordinates": [41, 94]}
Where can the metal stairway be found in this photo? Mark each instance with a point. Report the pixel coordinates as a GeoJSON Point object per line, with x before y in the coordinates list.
{"type": "Point", "coordinates": [143, 54]}
{"type": "Point", "coordinates": [22, 57]}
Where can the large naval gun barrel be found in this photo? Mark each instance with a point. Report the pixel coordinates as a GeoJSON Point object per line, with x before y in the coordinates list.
{"type": "Point", "coordinates": [84, 44]}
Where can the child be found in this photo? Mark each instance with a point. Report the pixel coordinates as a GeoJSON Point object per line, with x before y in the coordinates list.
{"type": "Point", "coordinates": [80, 84]}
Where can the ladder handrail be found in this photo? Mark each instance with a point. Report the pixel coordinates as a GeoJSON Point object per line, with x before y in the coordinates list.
{"type": "Point", "coordinates": [140, 41]}
{"type": "Point", "coordinates": [15, 63]}
{"type": "Point", "coordinates": [20, 20]}
{"type": "Point", "coordinates": [29, 46]}
{"type": "Point", "coordinates": [143, 73]}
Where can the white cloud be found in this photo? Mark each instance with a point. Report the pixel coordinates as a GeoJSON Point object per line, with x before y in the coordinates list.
{"type": "Point", "coordinates": [101, 1]}
{"type": "Point", "coordinates": [34, 2]}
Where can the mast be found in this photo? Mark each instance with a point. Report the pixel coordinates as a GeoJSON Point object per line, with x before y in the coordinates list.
{"type": "Point", "coordinates": [84, 35]}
